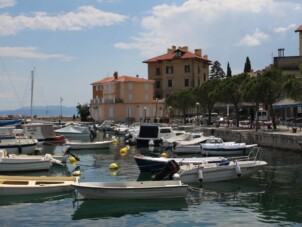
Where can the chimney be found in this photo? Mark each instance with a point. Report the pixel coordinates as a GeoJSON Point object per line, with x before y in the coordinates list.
{"type": "Point", "coordinates": [185, 48]}
{"type": "Point", "coordinates": [169, 51]}
{"type": "Point", "coordinates": [205, 57]}
{"type": "Point", "coordinates": [198, 52]}
{"type": "Point", "coordinates": [173, 48]}
{"type": "Point", "coordinates": [115, 75]}
{"type": "Point", "coordinates": [281, 52]}
{"type": "Point", "coordinates": [299, 29]}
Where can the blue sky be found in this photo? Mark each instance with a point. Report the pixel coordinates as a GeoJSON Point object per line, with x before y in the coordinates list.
{"type": "Point", "coordinates": [73, 43]}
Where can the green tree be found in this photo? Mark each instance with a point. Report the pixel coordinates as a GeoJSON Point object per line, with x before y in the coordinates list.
{"type": "Point", "coordinates": [216, 71]}
{"type": "Point", "coordinates": [271, 88]}
{"type": "Point", "coordinates": [293, 88]}
{"type": "Point", "coordinates": [83, 111]}
{"type": "Point", "coordinates": [230, 91]}
{"type": "Point", "coordinates": [247, 66]}
{"type": "Point", "coordinates": [206, 96]}
{"type": "Point", "coordinates": [182, 100]}
{"type": "Point", "coordinates": [229, 71]}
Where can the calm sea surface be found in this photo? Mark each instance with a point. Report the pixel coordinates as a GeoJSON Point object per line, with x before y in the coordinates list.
{"type": "Point", "coordinates": [272, 197]}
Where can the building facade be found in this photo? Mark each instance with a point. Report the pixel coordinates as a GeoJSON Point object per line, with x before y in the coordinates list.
{"type": "Point", "coordinates": [177, 69]}
{"type": "Point", "coordinates": [290, 64]}
{"type": "Point", "coordinates": [125, 99]}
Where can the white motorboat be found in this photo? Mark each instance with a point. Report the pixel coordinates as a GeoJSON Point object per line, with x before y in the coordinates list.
{"type": "Point", "coordinates": [189, 146]}
{"type": "Point", "coordinates": [79, 145]}
{"type": "Point", "coordinates": [74, 132]}
{"type": "Point", "coordinates": [16, 163]}
{"type": "Point", "coordinates": [216, 146]}
{"type": "Point", "coordinates": [15, 145]}
{"type": "Point", "coordinates": [132, 190]}
{"type": "Point", "coordinates": [211, 172]}
{"type": "Point", "coordinates": [34, 185]}
{"type": "Point", "coordinates": [156, 164]}
{"type": "Point", "coordinates": [153, 134]}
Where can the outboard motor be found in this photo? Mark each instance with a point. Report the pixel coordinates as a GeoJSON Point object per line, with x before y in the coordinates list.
{"type": "Point", "coordinates": [170, 169]}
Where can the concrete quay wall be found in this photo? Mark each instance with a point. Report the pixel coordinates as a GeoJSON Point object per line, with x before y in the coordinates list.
{"type": "Point", "coordinates": [283, 139]}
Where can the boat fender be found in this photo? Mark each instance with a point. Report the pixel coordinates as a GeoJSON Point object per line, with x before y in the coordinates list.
{"type": "Point", "coordinates": [238, 170]}
{"type": "Point", "coordinates": [176, 176]}
{"type": "Point", "coordinates": [200, 175]}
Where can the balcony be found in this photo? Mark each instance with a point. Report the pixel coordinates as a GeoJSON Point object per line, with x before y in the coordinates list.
{"type": "Point", "coordinates": [100, 101]}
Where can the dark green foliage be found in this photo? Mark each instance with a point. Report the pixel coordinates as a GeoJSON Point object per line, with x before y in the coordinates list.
{"type": "Point", "coordinates": [229, 71]}
{"type": "Point", "coordinates": [83, 111]}
{"type": "Point", "coordinates": [216, 71]}
{"type": "Point", "coordinates": [247, 66]}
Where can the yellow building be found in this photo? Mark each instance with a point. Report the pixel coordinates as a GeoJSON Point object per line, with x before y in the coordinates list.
{"type": "Point", "coordinates": [125, 98]}
{"type": "Point", "coordinates": [177, 69]}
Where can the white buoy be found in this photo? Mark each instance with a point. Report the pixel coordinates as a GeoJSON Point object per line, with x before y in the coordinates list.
{"type": "Point", "coordinates": [238, 170]}
{"type": "Point", "coordinates": [200, 175]}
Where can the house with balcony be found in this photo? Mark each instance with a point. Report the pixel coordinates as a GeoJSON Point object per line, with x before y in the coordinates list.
{"type": "Point", "coordinates": [177, 69]}
{"type": "Point", "coordinates": [125, 99]}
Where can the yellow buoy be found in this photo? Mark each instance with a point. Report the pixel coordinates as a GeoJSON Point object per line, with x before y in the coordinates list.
{"type": "Point", "coordinates": [128, 147]}
{"type": "Point", "coordinates": [164, 155]}
{"type": "Point", "coordinates": [123, 151]}
{"type": "Point", "coordinates": [114, 140]}
{"type": "Point", "coordinates": [113, 166]}
{"type": "Point", "coordinates": [113, 172]}
{"type": "Point", "coordinates": [72, 160]}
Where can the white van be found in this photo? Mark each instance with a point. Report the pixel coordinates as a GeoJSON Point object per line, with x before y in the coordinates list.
{"type": "Point", "coordinates": [262, 115]}
{"type": "Point", "coordinates": [214, 118]}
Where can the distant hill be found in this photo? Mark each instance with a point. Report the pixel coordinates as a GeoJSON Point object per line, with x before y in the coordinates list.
{"type": "Point", "coordinates": [42, 111]}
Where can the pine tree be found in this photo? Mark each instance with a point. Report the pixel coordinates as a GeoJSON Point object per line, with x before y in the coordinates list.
{"type": "Point", "coordinates": [216, 71]}
{"type": "Point", "coordinates": [247, 65]}
{"type": "Point", "coordinates": [229, 71]}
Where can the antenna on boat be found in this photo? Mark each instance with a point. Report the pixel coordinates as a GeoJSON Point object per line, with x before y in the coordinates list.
{"type": "Point", "coordinates": [32, 93]}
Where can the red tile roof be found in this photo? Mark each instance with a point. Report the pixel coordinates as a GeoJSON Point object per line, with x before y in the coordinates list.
{"type": "Point", "coordinates": [299, 29]}
{"type": "Point", "coordinates": [169, 56]}
{"type": "Point", "coordinates": [121, 79]}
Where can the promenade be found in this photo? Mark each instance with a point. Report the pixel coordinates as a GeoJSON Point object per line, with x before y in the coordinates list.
{"type": "Point", "coordinates": [284, 137]}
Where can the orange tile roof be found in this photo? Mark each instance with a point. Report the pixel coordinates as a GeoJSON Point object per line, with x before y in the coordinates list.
{"type": "Point", "coordinates": [169, 56]}
{"type": "Point", "coordinates": [299, 29]}
{"type": "Point", "coordinates": [121, 79]}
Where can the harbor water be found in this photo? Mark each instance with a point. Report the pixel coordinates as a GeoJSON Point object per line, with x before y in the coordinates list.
{"type": "Point", "coordinates": [271, 197]}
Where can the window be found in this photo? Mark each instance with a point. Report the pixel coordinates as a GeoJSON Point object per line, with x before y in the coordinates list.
{"type": "Point", "coordinates": [198, 69]}
{"type": "Point", "coordinates": [187, 68]}
{"type": "Point", "coordinates": [157, 84]}
{"type": "Point", "coordinates": [169, 69]}
{"type": "Point", "coordinates": [157, 71]}
{"type": "Point", "coordinates": [178, 54]}
{"type": "Point", "coordinates": [169, 83]}
{"type": "Point", "coordinates": [130, 86]}
{"type": "Point", "coordinates": [146, 97]}
{"type": "Point", "coordinates": [204, 77]}
{"type": "Point", "coordinates": [186, 82]}
{"type": "Point", "coordinates": [129, 97]}
{"type": "Point", "coordinates": [146, 86]}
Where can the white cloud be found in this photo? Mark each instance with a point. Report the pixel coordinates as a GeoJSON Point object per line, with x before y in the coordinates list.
{"type": "Point", "coordinates": [30, 52]}
{"type": "Point", "coordinates": [7, 3]}
{"type": "Point", "coordinates": [209, 24]}
{"type": "Point", "coordinates": [85, 17]}
{"type": "Point", "coordinates": [255, 39]}
{"type": "Point", "coordinates": [285, 29]}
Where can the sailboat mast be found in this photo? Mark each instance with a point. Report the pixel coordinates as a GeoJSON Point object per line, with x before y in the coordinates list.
{"type": "Point", "coordinates": [32, 93]}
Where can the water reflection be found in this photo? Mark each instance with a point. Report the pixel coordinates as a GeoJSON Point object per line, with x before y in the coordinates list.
{"type": "Point", "coordinates": [94, 209]}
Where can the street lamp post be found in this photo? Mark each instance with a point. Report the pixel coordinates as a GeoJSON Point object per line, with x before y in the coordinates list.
{"type": "Point", "coordinates": [170, 115]}
{"type": "Point", "coordinates": [155, 115]}
{"type": "Point", "coordinates": [197, 117]}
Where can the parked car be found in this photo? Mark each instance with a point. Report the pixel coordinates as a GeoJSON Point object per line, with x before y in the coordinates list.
{"type": "Point", "coordinates": [214, 118]}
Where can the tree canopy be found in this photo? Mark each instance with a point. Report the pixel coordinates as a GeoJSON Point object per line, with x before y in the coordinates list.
{"type": "Point", "coordinates": [247, 66]}
{"type": "Point", "coordinates": [216, 71]}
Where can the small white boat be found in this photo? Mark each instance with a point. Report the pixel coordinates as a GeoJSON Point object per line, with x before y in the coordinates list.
{"type": "Point", "coordinates": [16, 163]}
{"type": "Point", "coordinates": [78, 145]}
{"type": "Point", "coordinates": [156, 164]}
{"type": "Point", "coordinates": [216, 146]}
{"type": "Point", "coordinates": [32, 185]}
{"type": "Point", "coordinates": [74, 132]}
{"type": "Point", "coordinates": [132, 190]}
{"type": "Point", "coordinates": [211, 172]}
{"type": "Point", "coordinates": [16, 145]}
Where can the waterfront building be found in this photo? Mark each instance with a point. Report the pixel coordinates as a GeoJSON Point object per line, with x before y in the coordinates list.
{"type": "Point", "coordinates": [290, 64]}
{"type": "Point", "coordinates": [177, 69]}
{"type": "Point", "coordinates": [125, 99]}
